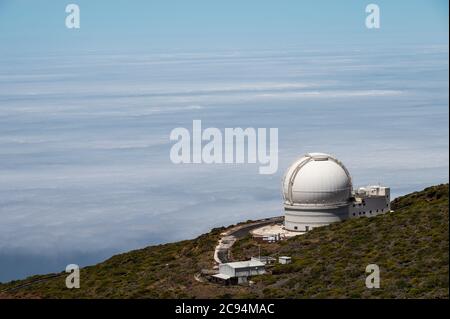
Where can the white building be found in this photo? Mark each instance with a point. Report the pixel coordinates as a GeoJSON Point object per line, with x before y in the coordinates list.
{"type": "Point", "coordinates": [317, 191]}
{"type": "Point", "coordinates": [239, 271]}
{"type": "Point", "coordinates": [370, 201]}
{"type": "Point", "coordinates": [284, 260]}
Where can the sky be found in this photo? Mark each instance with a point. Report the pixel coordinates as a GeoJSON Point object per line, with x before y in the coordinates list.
{"type": "Point", "coordinates": [208, 25]}
{"type": "Point", "coordinates": [85, 115]}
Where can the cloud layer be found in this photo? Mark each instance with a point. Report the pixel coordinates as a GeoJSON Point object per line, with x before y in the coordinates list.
{"type": "Point", "coordinates": [84, 140]}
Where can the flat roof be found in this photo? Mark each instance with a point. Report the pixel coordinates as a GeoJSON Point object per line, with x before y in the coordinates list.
{"type": "Point", "coordinates": [221, 276]}
{"type": "Point", "coordinates": [245, 264]}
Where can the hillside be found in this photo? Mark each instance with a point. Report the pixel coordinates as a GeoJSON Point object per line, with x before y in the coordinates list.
{"type": "Point", "coordinates": [409, 245]}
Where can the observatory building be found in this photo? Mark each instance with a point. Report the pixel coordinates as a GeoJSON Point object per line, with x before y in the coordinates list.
{"type": "Point", "coordinates": [317, 191]}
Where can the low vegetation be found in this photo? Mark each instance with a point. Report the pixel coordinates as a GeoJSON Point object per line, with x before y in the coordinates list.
{"type": "Point", "coordinates": [410, 245]}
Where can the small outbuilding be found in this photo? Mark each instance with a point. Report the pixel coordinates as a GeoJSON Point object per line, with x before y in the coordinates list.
{"type": "Point", "coordinates": [239, 271]}
{"type": "Point", "coordinates": [284, 260]}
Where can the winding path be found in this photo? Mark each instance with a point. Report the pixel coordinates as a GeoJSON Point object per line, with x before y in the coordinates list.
{"type": "Point", "coordinates": [229, 237]}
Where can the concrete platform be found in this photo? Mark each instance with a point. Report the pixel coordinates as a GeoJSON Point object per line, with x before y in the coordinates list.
{"type": "Point", "coordinates": [274, 230]}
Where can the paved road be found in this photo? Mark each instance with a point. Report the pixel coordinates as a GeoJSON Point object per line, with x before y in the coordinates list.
{"type": "Point", "coordinates": [235, 233]}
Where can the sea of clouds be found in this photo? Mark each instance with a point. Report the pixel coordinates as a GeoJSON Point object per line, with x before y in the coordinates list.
{"type": "Point", "coordinates": [84, 140]}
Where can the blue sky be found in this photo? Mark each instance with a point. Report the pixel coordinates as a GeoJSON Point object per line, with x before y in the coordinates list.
{"type": "Point", "coordinates": [199, 25]}
{"type": "Point", "coordinates": [85, 115]}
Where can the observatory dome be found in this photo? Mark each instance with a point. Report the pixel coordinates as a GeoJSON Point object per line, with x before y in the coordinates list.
{"type": "Point", "coordinates": [317, 179]}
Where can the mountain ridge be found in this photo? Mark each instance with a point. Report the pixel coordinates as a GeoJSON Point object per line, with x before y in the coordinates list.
{"type": "Point", "coordinates": [410, 245]}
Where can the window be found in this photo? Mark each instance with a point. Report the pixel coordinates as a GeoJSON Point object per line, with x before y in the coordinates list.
{"type": "Point", "coordinates": [295, 227]}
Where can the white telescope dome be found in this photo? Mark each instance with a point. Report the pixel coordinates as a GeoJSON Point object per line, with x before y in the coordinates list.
{"type": "Point", "coordinates": [317, 179]}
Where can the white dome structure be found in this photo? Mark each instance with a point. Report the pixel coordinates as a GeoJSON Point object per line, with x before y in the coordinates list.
{"type": "Point", "coordinates": [317, 190]}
